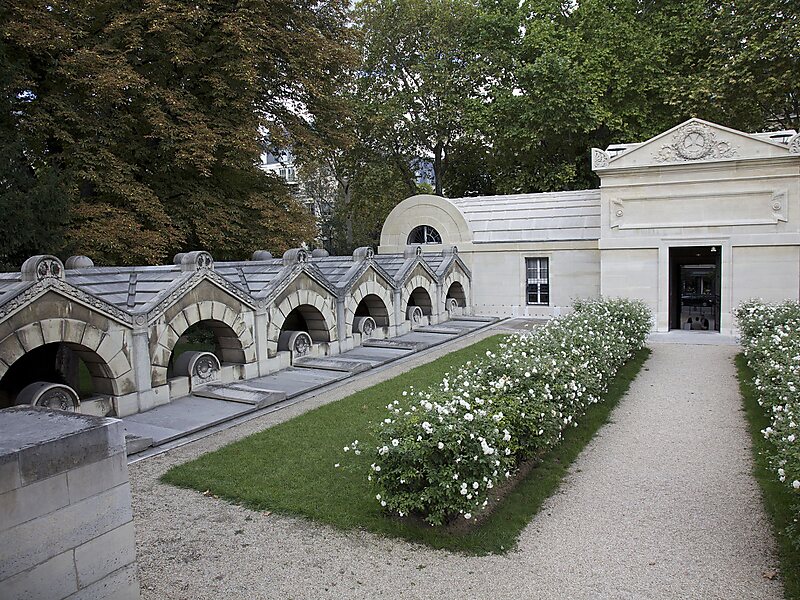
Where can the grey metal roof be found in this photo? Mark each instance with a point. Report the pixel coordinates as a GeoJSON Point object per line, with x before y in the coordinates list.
{"type": "Point", "coordinates": [254, 277]}
{"type": "Point", "coordinates": [391, 263]}
{"type": "Point", "coordinates": [128, 288]}
{"type": "Point", "coordinates": [336, 269]}
{"type": "Point", "coordinates": [140, 289]}
{"type": "Point", "coordinates": [544, 217]}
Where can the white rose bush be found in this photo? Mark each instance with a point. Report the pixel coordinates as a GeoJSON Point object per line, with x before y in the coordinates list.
{"type": "Point", "coordinates": [442, 450]}
{"type": "Point", "coordinates": [770, 337]}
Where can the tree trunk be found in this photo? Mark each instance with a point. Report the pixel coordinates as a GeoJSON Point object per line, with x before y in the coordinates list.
{"type": "Point", "coordinates": [438, 168]}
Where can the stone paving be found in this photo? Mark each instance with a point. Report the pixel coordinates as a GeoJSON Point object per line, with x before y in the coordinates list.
{"type": "Point", "coordinates": [218, 403]}
{"type": "Point", "coordinates": [661, 504]}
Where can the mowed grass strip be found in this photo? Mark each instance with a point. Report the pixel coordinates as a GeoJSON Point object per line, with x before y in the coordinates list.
{"type": "Point", "coordinates": [290, 469]}
{"type": "Point", "coordinates": [777, 497]}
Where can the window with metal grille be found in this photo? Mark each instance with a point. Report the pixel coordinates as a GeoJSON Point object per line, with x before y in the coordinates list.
{"type": "Point", "coordinates": [537, 279]}
{"type": "Point", "coordinates": [424, 234]}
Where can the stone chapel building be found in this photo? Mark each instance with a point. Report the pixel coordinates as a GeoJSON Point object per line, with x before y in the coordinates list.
{"type": "Point", "coordinates": [692, 221]}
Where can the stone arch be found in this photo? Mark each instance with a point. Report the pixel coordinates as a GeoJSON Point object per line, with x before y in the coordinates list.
{"type": "Point", "coordinates": [322, 317]}
{"type": "Point", "coordinates": [310, 319]}
{"type": "Point", "coordinates": [232, 334]}
{"type": "Point", "coordinates": [424, 209]}
{"type": "Point", "coordinates": [456, 292]}
{"type": "Point", "coordinates": [105, 353]}
{"type": "Point", "coordinates": [453, 278]}
{"type": "Point", "coordinates": [377, 298]}
{"type": "Point", "coordinates": [412, 294]}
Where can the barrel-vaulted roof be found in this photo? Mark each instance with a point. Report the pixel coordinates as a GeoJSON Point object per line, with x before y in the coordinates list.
{"type": "Point", "coordinates": [542, 217]}
{"type": "Point", "coordinates": [550, 216]}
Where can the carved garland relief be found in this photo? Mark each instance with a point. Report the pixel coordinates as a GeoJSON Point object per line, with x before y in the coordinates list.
{"type": "Point", "coordinates": [695, 142]}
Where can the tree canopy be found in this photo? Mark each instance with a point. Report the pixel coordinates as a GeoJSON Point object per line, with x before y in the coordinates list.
{"type": "Point", "coordinates": [140, 121]}
{"type": "Point", "coordinates": [131, 131]}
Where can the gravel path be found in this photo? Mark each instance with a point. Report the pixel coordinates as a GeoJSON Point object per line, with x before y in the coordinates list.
{"type": "Point", "coordinates": [661, 504]}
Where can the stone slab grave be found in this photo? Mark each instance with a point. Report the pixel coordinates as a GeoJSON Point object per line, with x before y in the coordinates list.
{"type": "Point", "coordinates": [377, 355]}
{"type": "Point", "coordinates": [431, 339]}
{"type": "Point", "coordinates": [333, 363]}
{"type": "Point", "coordinates": [294, 381]}
{"type": "Point", "coordinates": [66, 522]}
{"type": "Point", "coordinates": [394, 344]}
{"type": "Point", "coordinates": [480, 321]}
{"type": "Point", "coordinates": [241, 392]}
{"type": "Point", "coordinates": [181, 417]}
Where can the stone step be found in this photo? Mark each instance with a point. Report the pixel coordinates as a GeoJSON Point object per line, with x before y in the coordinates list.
{"type": "Point", "coordinates": [242, 393]}
{"type": "Point", "coordinates": [328, 363]}
{"type": "Point", "coordinates": [439, 329]}
{"type": "Point", "coordinates": [136, 443]}
{"type": "Point", "coordinates": [475, 319]}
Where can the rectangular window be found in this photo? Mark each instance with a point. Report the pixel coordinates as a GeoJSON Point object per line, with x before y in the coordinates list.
{"type": "Point", "coordinates": [537, 279]}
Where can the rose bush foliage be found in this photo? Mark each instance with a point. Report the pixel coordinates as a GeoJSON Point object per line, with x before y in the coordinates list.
{"type": "Point", "coordinates": [441, 450]}
{"type": "Point", "coordinates": [770, 336]}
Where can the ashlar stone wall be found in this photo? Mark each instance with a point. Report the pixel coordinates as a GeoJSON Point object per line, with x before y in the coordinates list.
{"type": "Point", "coordinates": [66, 523]}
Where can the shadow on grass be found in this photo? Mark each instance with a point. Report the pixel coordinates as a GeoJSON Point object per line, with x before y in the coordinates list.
{"type": "Point", "coordinates": [777, 497]}
{"type": "Point", "coordinates": [290, 468]}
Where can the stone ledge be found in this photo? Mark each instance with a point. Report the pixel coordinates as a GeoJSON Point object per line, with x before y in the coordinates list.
{"type": "Point", "coordinates": [37, 443]}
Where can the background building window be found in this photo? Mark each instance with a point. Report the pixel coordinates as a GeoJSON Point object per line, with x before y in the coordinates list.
{"type": "Point", "coordinates": [537, 277]}
{"type": "Point", "coordinates": [424, 234]}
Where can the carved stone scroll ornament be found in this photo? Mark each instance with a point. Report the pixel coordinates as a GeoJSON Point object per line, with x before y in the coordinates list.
{"type": "Point", "coordinates": [600, 158]}
{"type": "Point", "coordinates": [414, 314]}
{"type": "Point", "coordinates": [295, 256]}
{"type": "Point", "coordinates": [297, 342]}
{"type": "Point", "coordinates": [794, 144]}
{"type": "Point", "coordinates": [695, 141]}
{"type": "Point", "coordinates": [452, 305]}
{"type": "Point", "coordinates": [45, 394]}
{"type": "Point", "coordinates": [43, 266]}
{"type": "Point", "coordinates": [198, 260]}
{"type": "Point", "coordinates": [364, 253]}
{"type": "Point", "coordinates": [364, 325]}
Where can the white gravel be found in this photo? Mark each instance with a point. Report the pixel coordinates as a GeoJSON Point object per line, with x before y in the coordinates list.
{"type": "Point", "coordinates": [661, 504]}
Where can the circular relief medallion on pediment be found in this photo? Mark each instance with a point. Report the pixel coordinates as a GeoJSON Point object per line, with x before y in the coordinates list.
{"type": "Point", "coordinates": [694, 144]}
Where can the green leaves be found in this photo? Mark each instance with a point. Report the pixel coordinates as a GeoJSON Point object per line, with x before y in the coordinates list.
{"type": "Point", "coordinates": [148, 113]}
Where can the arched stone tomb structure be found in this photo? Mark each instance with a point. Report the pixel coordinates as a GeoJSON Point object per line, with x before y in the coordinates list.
{"type": "Point", "coordinates": [456, 298]}
{"type": "Point", "coordinates": [419, 308]}
{"type": "Point", "coordinates": [303, 328]}
{"type": "Point", "coordinates": [55, 335]}
{"type": "Point", "coordinates": [121, 340]}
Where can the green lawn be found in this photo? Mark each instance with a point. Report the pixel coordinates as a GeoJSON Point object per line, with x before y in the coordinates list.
{"type": "Point", "coordinates": [289, 468]}
{"type": "Point", "coordinates": [777, 497]}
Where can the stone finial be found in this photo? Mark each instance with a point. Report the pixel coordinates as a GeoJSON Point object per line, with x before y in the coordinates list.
{"type": "Point", "coordinates": [319, 253]}
{"type": "Point", "coordinates": [79, 262]}
{"type": "Point", "coordinates": [363, 253]}
{"type": "Point", "coordinates": [413, 250]}
{"type": "Point", "coordinates": [42, 266]}
{"type": "Point", "coordinates": [450, 251]}
{"type": "Point", "coordinates": [295, 256]}
{"type": "Point", "coordinates": [261, 255]}
{"type": "Point", "coordinates": [600, 158]}
{"type": "Point", "coordinates": [199, 260]}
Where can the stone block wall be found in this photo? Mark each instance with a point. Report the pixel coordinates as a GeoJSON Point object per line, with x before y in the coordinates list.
{"type": "Point", "coordinates": [66, 523]}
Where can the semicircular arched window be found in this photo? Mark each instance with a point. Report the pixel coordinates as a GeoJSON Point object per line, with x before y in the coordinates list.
{"type": "Point", "coordinates": [424, 234]}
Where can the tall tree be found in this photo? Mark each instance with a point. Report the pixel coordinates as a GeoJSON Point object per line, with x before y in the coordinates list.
{"type": "Point", "coordinates": [424, 74]}
{"type": "Point", "coordinates": [149, 112]}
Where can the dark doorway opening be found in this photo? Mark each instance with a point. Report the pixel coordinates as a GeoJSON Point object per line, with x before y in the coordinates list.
{"type": "Point", "coordinates": [694, 288]}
